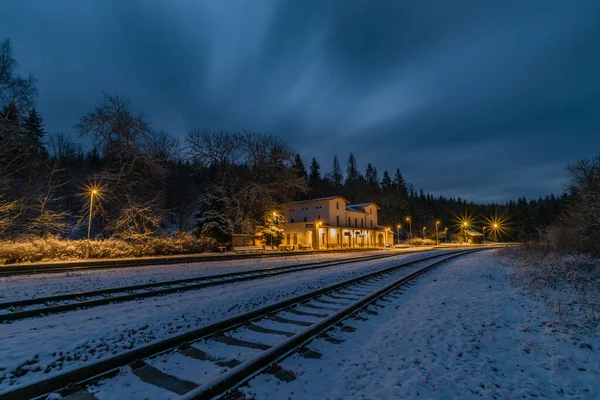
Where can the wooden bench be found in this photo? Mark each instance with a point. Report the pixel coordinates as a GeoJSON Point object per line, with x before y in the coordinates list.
{"type": "Point", "coordinates": [304, 247]}
{"type": "Point", "coordinates": [249, 249]}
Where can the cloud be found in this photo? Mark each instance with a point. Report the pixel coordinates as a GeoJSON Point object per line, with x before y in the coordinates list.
{"type": "Point", "coordinates": [478, 98]}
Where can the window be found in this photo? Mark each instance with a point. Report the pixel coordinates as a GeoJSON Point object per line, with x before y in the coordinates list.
{"type": "Point", "coordinates": [337, 206]}
{"type": "Point", "coordinates": [337, 220]}
{"type": "Point", "coordinates": [362, 223]}
{"type": "Point", "coordinates": [323, 239]}
{"type": "Point", "coordinates": [295, 238]}
{"type": "Point", "coordinates": [349, 221]}
{"type": "Point", "coordinates": [287, 239]}
{"type": "Point", "coordinates": [355, 221]}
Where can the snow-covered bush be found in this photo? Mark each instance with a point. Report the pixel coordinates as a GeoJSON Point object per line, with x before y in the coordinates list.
{"type": "Point", "coordinates": [420, 242]}
{"type": "Point", "coordinates": [568, 283]}
{"type": "Point", "coordinates": [56, 249]}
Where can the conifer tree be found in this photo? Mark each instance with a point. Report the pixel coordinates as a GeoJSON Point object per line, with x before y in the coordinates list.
{"type": "Point", "coordinates": [299, 166]}
{"type": "Point", "coordinates": [33, 130]}
{"type": "Point", "coordinates": [314, 175]}
{"type": "Point", "coordinates": [352, 173]}
{"type": "Point", "coordinates": [337, 177]}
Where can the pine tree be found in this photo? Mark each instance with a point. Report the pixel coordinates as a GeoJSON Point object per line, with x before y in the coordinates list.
{"type": "Point", "coordinates": [299, 166]}
{"type": "Point", "coordinates": [352, 173]}
{"type": "Point", "coordinates": [371, 176]}
{"type": "Point", "coordinates": [400, 183]}
{"type": "Point", "coordinates": [314, 176]}
{"type": "Point", "coordinates": [337, 177]}
{"type": "Point", "coordinates": [33, 130]}
{"type": "Point", "coordinates": [386, 181]}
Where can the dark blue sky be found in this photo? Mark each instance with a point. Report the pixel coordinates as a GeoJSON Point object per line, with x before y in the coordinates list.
{"type": "Point", "coordinates": [487, 100]}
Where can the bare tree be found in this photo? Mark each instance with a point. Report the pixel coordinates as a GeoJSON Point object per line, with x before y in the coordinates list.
{"type": "Point", "coordinates": [47, 220]}
{"type": "Point", "coordinates": [133, 174]}
{"type": "Point", "coordinates": [579, 226]}
{"type": "Point", "coordinates": [248, 175]}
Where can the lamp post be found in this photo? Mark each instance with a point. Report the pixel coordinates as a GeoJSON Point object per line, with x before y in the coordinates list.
{"type": "Point", "coordinates": [465, 225]}
{"type": "Point", "coordinates": [398, 232]}
{"type": "Point", "coordinates": [495, 226]}
{"type": "Point", "coordinates": [93, 193]}
{"type": "Point", "coordinates": [424, 232]}
{"type": "Point", "coordinates": [446, 235]}
{"type": "Point", "coordinates": [410, 226]}
{"type": "Point", "coordinates": [317, 235]}
{"type": "Point", "coordinates": [437, 238]}
{"type": "Point", "coordinates": [484, 235]}
{"type": "Point", "coordinates": [274, 223]}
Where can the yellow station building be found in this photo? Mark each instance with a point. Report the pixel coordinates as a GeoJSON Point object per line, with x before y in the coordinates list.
{"type": "Point", "coordinates": [332, 222]}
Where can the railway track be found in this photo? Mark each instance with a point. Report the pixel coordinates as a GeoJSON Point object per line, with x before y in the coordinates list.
{"type": "Point", "coordinates": [225, 354]}
{"type": "Point", "coordinates": [42, 306]}
{"type": "Point", "coordinates": [49, 268]}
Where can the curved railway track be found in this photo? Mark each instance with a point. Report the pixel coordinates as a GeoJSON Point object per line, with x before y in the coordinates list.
{"type": "Point", "coordinates": [229, 352]}
{"type": "Point", "coordinates": [42, 306]}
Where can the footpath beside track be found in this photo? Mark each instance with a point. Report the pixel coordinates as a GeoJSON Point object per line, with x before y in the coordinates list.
{"type": "Point", "coordinates": [264, 336]}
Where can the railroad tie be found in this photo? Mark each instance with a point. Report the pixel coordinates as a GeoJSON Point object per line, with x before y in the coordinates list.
{"type": "Point", "coordinates": [336, 303]}
{"type": "Point", "coordinates": [240, 343]}
{"type": "Point", "coordinates": [308, 305]}
{"type": "Point", "coordinates": [156, 377]}
{"type": "Point", "coordinates": [80, 395]}
{"type": "Point", "coordinates": [260, 329]}
{"type": "Point", "coordinates": [306, 314]}
{"type": "Point", "coordinates": [196, 353]}
{"type": "Point", "coordinates": [289, 321]}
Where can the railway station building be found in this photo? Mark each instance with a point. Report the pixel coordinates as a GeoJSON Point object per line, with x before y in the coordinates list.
{"type": "Point", "coordinates": [332, 222]}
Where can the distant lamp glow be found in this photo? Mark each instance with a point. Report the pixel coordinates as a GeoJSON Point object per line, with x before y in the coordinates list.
{"type": "Point", "coordinates": [498, 225]}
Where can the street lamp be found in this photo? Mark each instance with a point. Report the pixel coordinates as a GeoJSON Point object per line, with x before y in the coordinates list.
{"type": "Point", "coordinates": [484, 235]}
{"type": "Point", "coordinates": [317, 235]}
{"type": "Point", "coordinates": [410, 225]}
{"type": "Point", "coordinates": [424, 232]}
{"type": "Point", "coordinates": [446, 235]}
{"type": "Point", "coordinates": [93, 192]}
{"type": "Point", "coordinates": [398, 232]}
{"type": "Point", "coordinates": [465, 225]}
{"type": "Point", "coordinates": [437, 238]}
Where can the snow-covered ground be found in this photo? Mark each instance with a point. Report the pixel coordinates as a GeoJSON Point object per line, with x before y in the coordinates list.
{"type": "Point", "coordinates": [462, 332]}
{"type": "Point", "coordinates": [40, 285]}
{"type": "Point", "coordinates": [39, 347]}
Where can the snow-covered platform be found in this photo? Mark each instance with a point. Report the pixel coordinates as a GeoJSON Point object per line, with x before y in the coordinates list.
{"type": "Point", "coordinates": [462, 332]}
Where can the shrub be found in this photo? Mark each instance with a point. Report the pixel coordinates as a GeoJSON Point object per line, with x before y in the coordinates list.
{"type": "Point", "coordinates": [420, 242]}
{"type": "Point", "coordinates": [52, 249]}
{"type": "Point", "coordinates": [569, 283]}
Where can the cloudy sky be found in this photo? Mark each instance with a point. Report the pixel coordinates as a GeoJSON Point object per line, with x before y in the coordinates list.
{"type": "Point", "coordinates": [487, 100]}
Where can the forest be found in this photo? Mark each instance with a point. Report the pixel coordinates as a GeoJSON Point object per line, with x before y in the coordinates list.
{"type": "Point", "coordinates": [116, 176]}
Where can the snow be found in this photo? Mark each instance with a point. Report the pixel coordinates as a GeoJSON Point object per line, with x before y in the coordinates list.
{"type": "Point", "coordinates": [126, 385]}
{"type": "Point", "coordinates": [56, 343]}
{"type": "Point", "coordinates": [462, 332]}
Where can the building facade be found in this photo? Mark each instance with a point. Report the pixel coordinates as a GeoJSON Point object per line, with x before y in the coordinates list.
{"type": "Point", "coordinates": [332, 222]}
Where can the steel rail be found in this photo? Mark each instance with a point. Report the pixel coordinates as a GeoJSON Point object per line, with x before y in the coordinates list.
{"type": "Point", "coordinates": [73, 380]}
{"type": "Point", "coordinates": [204, 281]}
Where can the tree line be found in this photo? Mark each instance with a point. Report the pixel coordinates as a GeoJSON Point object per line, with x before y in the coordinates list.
{"type": "Point", "coordinates": [212, 183]}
